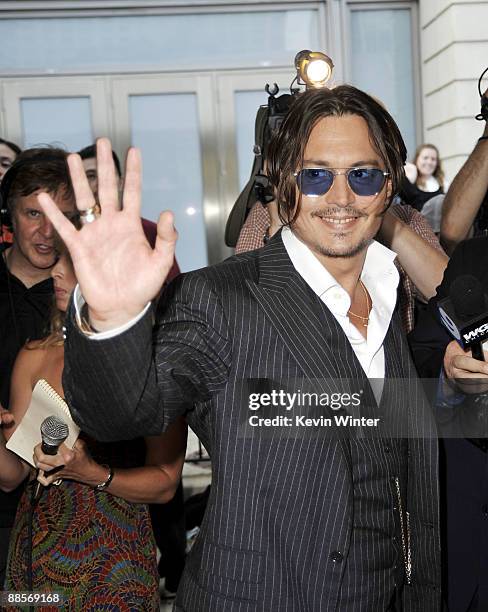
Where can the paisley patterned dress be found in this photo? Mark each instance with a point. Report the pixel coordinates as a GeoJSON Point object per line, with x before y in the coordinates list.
{"type": "Point", "coordinates": [94, 549]}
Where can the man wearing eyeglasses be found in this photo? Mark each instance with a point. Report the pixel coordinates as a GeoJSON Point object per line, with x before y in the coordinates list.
{"type": "Point", "coordinates": [297, 520]}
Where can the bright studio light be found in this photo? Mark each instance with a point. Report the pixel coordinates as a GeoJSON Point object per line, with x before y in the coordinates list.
{"type": "Point", "coordinates": [314, 69]}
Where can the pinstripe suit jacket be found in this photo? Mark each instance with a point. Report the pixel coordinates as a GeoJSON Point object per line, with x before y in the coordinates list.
{"type": "Point", "coordinates": [281, 507]}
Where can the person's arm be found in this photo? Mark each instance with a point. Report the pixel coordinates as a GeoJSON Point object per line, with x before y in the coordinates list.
{"type": "Point", "coordinates": [12, 469]}
{"type": "Point", "coordinates": [138, 382]}
{"type": "Point", "coordinates": [423, 263]}
{"type": "Point", "coordinates": [464, 196]}
{"type": "Point", "coordinates": [155, 482]}
{"type": "Point", "coordinates": [254, 230]}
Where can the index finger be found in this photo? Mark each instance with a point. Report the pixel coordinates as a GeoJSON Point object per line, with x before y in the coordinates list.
{"type": "Point", "coordinates": [62, 225]}
{"type": "Point", "coordinates": [83, 194]}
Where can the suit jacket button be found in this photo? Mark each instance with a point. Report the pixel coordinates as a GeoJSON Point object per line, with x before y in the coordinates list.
{"type": "Point", "coordinates": [336, 557]}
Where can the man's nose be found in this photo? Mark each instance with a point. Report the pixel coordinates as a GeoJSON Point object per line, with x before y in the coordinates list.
{"type": "Point", "coordinates": [340, 193]}
{"type": "Point", "coordinates": [47, 228]}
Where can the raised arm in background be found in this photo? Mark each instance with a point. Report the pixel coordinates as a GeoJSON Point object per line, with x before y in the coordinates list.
{"type": "Point", "coordinates": [465, 196]}
{"type": "Point", "coordinates": [423, 263]}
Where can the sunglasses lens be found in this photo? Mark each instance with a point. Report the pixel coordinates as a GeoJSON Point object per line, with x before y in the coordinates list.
{"type": "Point", "coordinates": [314, 181]}
{"type": "Point", "coordinates": [366, 181]}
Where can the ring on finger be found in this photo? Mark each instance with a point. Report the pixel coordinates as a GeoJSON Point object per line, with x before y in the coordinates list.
{"type": "Point", "coordinates": [89, 214]}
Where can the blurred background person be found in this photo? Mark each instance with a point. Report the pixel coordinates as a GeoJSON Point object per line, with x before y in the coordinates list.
{"type": "Point", "coordinates": [92, 540]}
{"type": "Point", "coordinates": [463, 450]}
{"type": "Point", "coordinates": [26, 288]}
{"type": "Point", "coordinates": [8, 154]}
{"type": "Point", "coordinates": [425, 177]}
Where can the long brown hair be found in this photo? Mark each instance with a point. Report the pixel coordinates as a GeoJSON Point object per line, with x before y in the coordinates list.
{"type": "Point", "coordinates": [288, 146]}
{"type": "Point", "coordinates": [438, 172]}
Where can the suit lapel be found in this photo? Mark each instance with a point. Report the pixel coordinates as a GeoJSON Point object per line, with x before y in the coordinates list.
{"type": "Point", "coordinates": [291, 308]}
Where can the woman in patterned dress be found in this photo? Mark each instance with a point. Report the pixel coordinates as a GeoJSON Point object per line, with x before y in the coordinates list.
{"type": "Point", "coordinates": [94, 547]}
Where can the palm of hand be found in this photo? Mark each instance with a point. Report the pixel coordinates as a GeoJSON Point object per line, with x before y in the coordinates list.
{"type": "Point", "coordinates": [116, 269]}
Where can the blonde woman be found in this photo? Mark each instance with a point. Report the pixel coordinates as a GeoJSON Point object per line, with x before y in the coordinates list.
{"type": "Point", "coordinates": [425, 177]}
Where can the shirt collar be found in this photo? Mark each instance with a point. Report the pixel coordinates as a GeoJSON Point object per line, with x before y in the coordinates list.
{"type": "Point", "coordinates": [379, 261]}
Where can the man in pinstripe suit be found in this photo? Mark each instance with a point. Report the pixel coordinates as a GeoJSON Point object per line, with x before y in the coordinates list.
{"type": "Point", "coordinates": [297, 523]}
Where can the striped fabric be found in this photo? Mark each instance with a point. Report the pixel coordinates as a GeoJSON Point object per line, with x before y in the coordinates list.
{"type": "Point", "coordinates": [279, 522]}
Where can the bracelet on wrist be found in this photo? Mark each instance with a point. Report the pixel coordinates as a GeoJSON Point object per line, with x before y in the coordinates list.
{"type": "Point", "coordinates": [103, 485]}
{"type": "Point", "coordinates": [482, 138]}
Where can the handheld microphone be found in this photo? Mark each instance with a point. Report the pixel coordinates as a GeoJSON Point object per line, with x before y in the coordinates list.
{"type": "Point", "coordinates": [54, 432]}
{"type": "Point", "coordinates": [465, 314]}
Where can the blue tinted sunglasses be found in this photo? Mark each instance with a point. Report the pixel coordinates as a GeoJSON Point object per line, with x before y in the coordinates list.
{"type": "Point", "coordinates": [314, 182]}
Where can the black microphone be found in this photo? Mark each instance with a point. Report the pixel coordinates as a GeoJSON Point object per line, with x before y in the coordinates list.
{"type": "Point", "coordinates": [54, 432]}
{"type": "Point", "coordinates": [465, 314]}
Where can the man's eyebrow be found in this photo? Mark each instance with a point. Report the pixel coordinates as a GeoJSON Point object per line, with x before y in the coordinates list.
{"type": "Point", "coordinates": [326, 164]}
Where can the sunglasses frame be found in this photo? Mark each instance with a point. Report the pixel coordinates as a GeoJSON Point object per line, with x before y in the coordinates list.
{"type": "Point", "coordinates": [346, 172]}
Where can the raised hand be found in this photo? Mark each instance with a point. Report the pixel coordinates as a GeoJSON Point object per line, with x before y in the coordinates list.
{"type": "Point", "coordinates": [117, 270]}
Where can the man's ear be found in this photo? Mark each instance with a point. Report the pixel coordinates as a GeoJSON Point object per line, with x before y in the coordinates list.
{"type": "Point", "coordinates": [388, 195]}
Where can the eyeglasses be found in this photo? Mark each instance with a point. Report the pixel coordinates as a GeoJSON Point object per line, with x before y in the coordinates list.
{"type": "Point", "coordinates": [314, 182]}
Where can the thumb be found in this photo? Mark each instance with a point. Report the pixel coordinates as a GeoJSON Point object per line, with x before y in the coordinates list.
{"type": "Point", "coordinates": [167, 234]}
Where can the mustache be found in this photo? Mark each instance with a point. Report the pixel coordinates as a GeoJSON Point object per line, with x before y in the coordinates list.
{"type": "Point", "coordinates": [338, 212]}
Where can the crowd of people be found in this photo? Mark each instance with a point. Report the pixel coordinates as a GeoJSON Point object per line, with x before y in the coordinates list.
{"type": "Point", "coordinates": [337, 276]}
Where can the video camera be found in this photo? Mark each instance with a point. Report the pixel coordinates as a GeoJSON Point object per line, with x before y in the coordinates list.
{"type": "Point", "coordinates": [314, 70]}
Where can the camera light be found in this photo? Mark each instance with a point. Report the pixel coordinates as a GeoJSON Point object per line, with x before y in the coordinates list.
{"type": "Point", "coordinates": [314, 69]}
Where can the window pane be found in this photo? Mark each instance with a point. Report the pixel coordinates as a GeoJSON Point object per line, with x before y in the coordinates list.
{"type": "Point", "coordinates": [165, 127]}
{"type": "Point", "coordinates": [382, 63]}
{"type": "Point", "coordinates": [244, 39]}
{"type": "Point", "coordinates": [61, 121]}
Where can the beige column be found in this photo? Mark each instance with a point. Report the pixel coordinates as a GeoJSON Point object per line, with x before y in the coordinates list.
{"type": "Point", "coordinates": [454, 51]}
